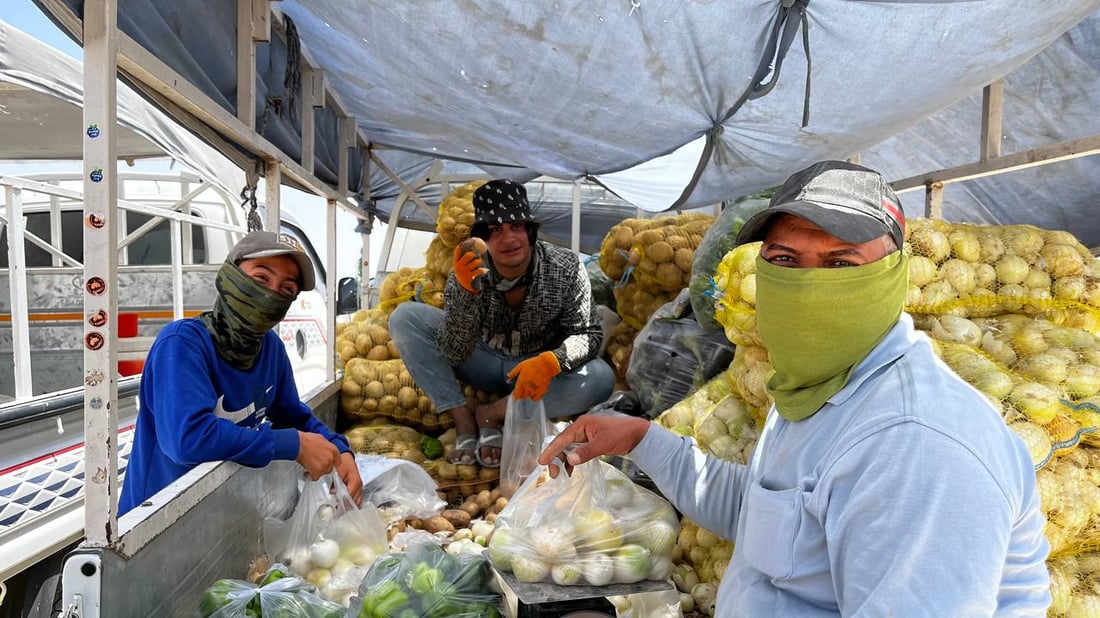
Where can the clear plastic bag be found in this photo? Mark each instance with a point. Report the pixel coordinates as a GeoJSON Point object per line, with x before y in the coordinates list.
{"type": "Point", "coordinates": [659, 604]}
{"type": "Point", "coordinates": [330, 540]}
{"type": "Point", "coordinates": [278, 594]}
{"type": "Point", "coordinates": [424, 581]}
{"type": "Point", "coordinates": [400, 489]}
{"type": "Point", "coordinates": [526, 429]}
{"type": "Point", "coordinates": [594, 527]}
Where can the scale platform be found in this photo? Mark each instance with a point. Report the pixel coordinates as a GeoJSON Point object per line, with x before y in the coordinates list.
{"type": "Point", "coordinates": [549, 600]}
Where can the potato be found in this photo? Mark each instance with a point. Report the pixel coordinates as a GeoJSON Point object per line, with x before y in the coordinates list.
{"type": "Point", "coordinates": [483, 499]}
{"type": "Point", "coordinates": [500, 504]}
{"type": "Point", "coordinates": [457, 517]}
{"type": "Point", "coordinates": [438, 523]}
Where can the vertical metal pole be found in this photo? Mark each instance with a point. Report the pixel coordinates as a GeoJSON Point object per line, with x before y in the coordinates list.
{"type": "Point", "coordinates": [17, 282]}
{"type": "Point", "coordinates": [246, 65]}
{"type": "Point", "coordinates": [333, 293]}
{"type": "Point", "coordinates": [100, 273]}
{"type": "Point", "coordinates": [308, 123]}
{"type": "Point", "coordinates": [992, 115]}
{"type": "Point", "coordinates": [273, 184]}
{"type": "Point", "coordinates": [185, 231]}
{"type": "Point", "coordinates": [933, 200]}
{"type": "Point", "coordinates": [177, 267]}
{"type": "Point", "coordinates": [346, 140]}
{"type": "Point", "coordinates": [364, 251]}
{"type": "Point", "coordinates": [55, 224]}
{"type": "Point", "coordinates": [575, 232]}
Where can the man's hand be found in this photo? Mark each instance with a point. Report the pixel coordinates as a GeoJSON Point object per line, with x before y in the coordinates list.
{"type": "Point", "coordinates": [349, 473]}
{"type": "Point", "coordinates": [592, 435]}
{"type": "Point", "coordinates": [532, 376]}
{"type": "Point", "coordinates": [468, 267]}
{"type": "Point", "coordinates": [316, 454]}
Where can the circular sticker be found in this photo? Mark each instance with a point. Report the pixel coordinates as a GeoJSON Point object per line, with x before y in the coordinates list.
{"type": "Point", "coordinates": [97, 220]}
{"type": "Point", "coordinates": [98, 319]}
{"type": "Point", "coordinates": [96, 286]}
{"type": "Point", "coordinates": [96, 175]}
{"type": "Point", "coordinates": [94, 341]}
{"type": "Point", "coordinates": [93, 130]}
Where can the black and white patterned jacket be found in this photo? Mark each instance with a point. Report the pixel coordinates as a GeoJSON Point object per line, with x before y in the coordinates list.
{"type": "Point", "coordinates": [557, 314]}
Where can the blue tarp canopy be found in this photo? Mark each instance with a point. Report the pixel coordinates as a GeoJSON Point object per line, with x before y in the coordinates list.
{"type": "Point", "coordinates": [670, 105]}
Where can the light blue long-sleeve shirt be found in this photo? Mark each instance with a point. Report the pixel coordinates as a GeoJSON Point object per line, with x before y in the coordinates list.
{"type": "Point", "coordinates": [905, 495]}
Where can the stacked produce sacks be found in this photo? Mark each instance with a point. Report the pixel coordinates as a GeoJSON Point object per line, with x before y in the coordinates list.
{"type": "Point", "coordinates": [1015, 311]}
{"type": "Point", "coordinates": [651, 260]}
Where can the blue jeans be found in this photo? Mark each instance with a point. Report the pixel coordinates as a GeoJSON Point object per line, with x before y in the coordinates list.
{"type": "Point", "coordinates": [413, 328]}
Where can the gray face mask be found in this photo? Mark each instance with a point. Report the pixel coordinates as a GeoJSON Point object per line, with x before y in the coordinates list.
{"type": "Point", "coordinates": [243, 312]}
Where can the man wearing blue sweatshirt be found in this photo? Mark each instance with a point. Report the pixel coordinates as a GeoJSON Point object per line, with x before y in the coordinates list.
{"type": "Point", "coordinates": [882, 483]}
{"type": "Point", "coordinates": [220, 386]}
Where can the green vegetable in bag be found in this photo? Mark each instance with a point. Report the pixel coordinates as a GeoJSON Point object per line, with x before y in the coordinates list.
{"type": "Point", "coordinates": [217, 595]}
{"type": "Point", "coordinates": [474, 575]}
{"type": "Point", "coordinates": [431, 447]}
{"type": "Point", "coordinates": [384, 601]}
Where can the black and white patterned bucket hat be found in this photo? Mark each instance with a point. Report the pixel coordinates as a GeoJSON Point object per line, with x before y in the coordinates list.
{"type": "Point", "coordinates": [500, 202]}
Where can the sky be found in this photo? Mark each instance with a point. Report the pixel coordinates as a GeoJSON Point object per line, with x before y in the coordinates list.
{"type": "Point", "coordinates": [305, 208]}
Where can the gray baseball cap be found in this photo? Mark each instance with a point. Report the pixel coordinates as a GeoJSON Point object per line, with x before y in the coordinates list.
{"type": "Point", "coordinates": [260, 244]}
{"type": "Point", "coordinates": [849, 201]}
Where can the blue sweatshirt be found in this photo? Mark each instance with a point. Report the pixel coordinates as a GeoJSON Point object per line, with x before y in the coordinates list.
{"type": "Point", "coordinates": [194, 408]}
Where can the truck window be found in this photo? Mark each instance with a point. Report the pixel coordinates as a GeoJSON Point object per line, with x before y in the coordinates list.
{"type": "Point", "coordinates": [153, 248]}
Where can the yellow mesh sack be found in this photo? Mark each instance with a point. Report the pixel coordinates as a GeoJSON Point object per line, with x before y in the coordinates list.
{"type": "Point", "coordinates": [417, 284]}
{"type": "Point", "coordinates": [977, 270]}
{"type": "Point", "coordinates": [372, 389]}
{"type": "Point", "coordinates": [438, 257]}
{"type": "Point", "coordinates": [705, 552]}
{"type": "Point", "coordinates": [456, 215]}
{"type": "Point", "coordinates": [735, 287]}
{"type": "Point", "coordinates": [662, 257]}
{"type": "Point", "coordinates": [367, 336]}
{"type": "Point", "coordinates": [635, 305]}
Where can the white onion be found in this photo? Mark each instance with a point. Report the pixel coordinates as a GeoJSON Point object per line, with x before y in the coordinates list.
{"type": "Point", "coordinates": [324, 553]}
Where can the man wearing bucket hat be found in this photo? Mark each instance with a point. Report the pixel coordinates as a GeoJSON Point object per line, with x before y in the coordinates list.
{"type": "Point", "coordinates": [517, 320]}
{"type": "Point", "coordinates": [220, 386]}
{"type": "Point", "coordinates": [882, 484]}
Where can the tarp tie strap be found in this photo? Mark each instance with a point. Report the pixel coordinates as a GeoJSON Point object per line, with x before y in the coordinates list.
{"type": "Point", "coordinates": [775, 50]}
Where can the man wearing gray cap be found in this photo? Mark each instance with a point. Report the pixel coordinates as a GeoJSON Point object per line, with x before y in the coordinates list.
{"type": "Point", "coordinates": [882, 484]}
{"type": "Point", "coordinates": [220, 386]}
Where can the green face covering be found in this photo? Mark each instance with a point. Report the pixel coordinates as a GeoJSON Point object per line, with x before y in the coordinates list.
{"type": "Point", "coordinates": [243, 312]}
{"type": "Point", "coordinates": [818, 323]}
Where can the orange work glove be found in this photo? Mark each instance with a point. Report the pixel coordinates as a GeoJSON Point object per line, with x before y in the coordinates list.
{"type": "Point", "coordinates": [468, 268]}
{"type": "Point", "coordinates": [532, 376]}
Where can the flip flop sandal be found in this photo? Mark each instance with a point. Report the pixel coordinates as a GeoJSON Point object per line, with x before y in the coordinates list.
{"type": "Point", "coordinates": [489, 437]}
{"type": "Point", "coordinates": [465, 449]}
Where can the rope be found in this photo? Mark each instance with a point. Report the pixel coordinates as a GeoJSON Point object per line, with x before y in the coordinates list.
{"type": "Point", "coordinates": [248, 200]}
{"type": "Point", "coordinates": [292, 79]}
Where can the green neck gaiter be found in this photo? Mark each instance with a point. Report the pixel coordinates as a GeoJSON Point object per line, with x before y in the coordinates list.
{"type": "Point", "coordinates": [818, 323]}
{"type": "Point", "coordinates": [243, 312]}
